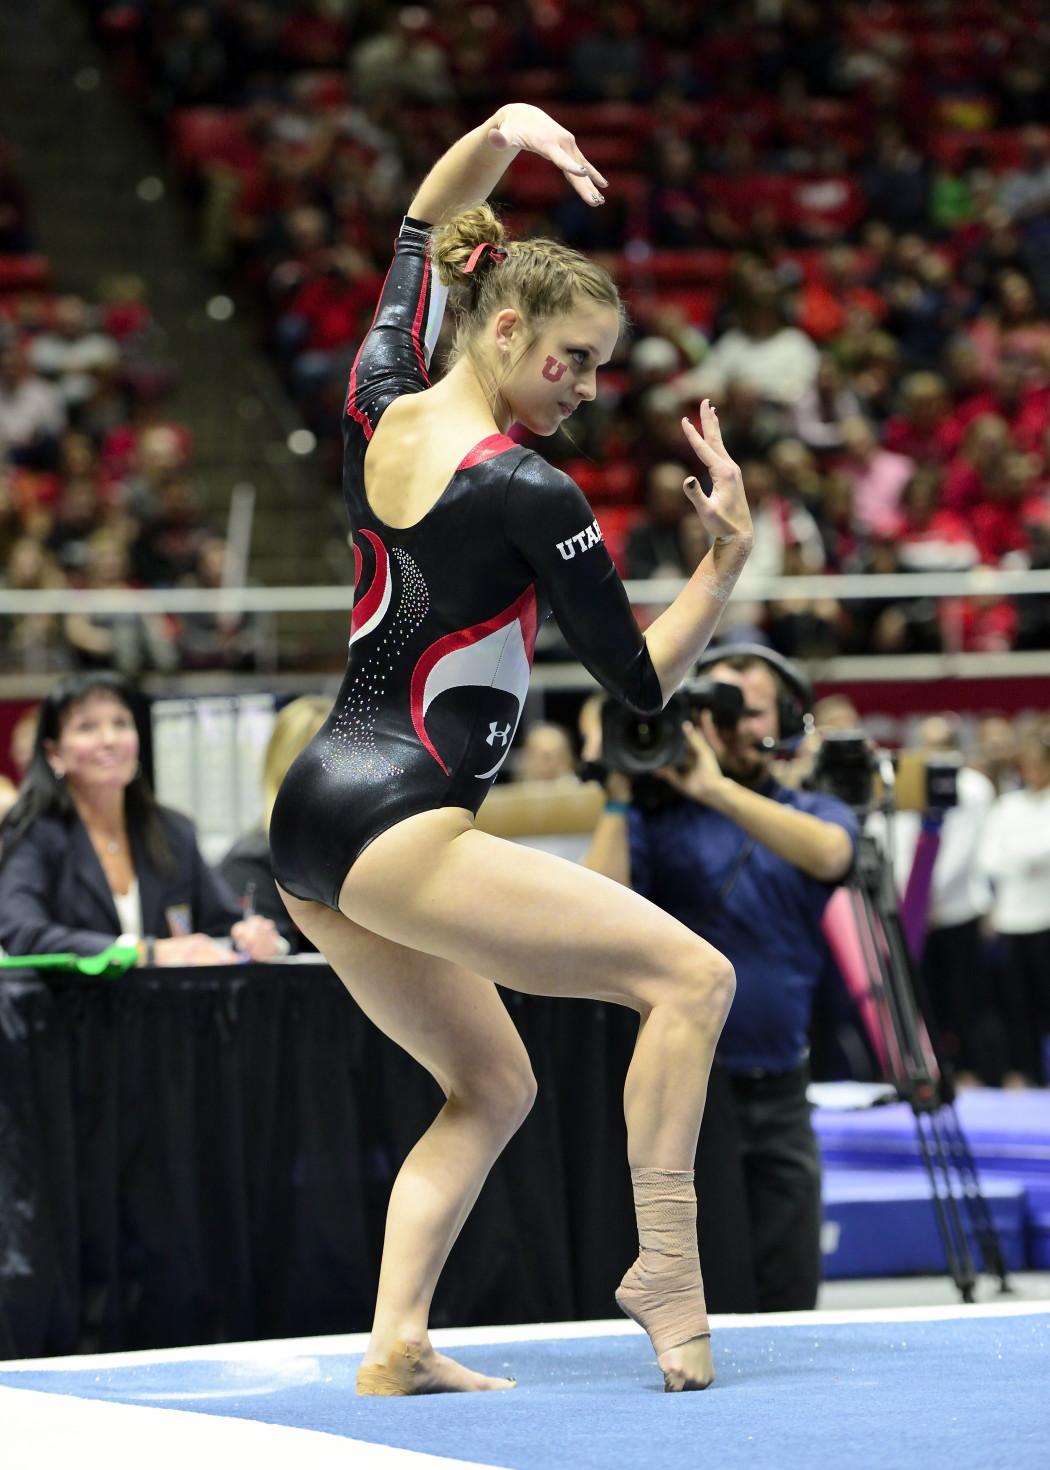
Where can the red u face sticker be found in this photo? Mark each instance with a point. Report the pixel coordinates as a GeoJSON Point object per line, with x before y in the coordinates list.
{"type": "Point", "coordinates": [553, 369]}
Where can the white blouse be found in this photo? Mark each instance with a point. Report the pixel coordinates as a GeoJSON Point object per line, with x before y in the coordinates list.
{"type": "Point", "coordinates": [129, 912]}
{"type": "Point", "coordinates": [1016, 856]}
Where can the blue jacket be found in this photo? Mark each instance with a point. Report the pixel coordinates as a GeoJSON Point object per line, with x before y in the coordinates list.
{"type": "Point", "coordinates": [54, 897]}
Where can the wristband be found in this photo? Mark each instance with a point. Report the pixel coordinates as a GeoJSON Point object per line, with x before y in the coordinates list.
{"type": "Point", "coordinates": [618, 808]}
{"type": "Point", "coordinates": [151, 950]}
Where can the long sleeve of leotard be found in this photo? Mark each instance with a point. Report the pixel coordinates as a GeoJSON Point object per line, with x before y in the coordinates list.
{"type": "Point", "coordinates": [551, 525]}
{"type": "Point", "coordinates": [394, 357]}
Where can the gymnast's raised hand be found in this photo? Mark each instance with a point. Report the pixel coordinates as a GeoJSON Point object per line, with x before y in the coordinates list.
{"type": "Point", "coordinates": [723, 514]}
{"type": "Point", "coordinates": [531, 129]}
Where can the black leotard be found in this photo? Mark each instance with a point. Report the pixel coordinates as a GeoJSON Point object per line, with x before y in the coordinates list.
{"type": "Point", "coordinates": [444, 618]}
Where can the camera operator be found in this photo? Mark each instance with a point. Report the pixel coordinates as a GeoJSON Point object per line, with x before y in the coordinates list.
{"type": "Point", "coordinates": [749, 865]}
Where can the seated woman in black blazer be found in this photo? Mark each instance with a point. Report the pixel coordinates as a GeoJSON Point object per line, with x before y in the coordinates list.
{"type": "Point", "coordinates": [87, 855]}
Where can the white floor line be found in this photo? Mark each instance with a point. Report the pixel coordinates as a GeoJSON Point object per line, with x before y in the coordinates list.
{"type": "Point", "coordinates": [276, 1349]}
{"type": "Point", "coordinates": [41, 1430]}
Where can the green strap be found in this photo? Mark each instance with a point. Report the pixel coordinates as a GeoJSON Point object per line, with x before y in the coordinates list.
{"type": "Point", "coordinates": [116, 960]}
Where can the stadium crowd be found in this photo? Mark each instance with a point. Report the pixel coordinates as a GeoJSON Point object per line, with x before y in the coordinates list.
{"type": "Point", "coordinates": [96, 477]}
{"type": "Point", "coordinates": [834, 217]}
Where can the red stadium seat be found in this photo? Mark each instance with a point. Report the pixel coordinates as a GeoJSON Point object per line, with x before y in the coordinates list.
{"type": "Point", "coordinates": [616, 523]}
{"type": "Point", "coordinates": [1003, 148]}
{"type": "Point", "coordinates": [24, 273]}
{"type": "Point", "coordinates": [320, 89]}
{"type": "Point", "coordinates": [202, 135]}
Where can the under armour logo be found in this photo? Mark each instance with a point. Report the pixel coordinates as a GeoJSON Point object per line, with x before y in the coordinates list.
{"type": "Point", "coordinates": [553, 369]}
{"type": "Point", "coordinates": [495, 733]}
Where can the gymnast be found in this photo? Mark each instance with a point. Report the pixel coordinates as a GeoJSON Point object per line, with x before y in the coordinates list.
{"type": "Point", "coordinates": [462, 540]}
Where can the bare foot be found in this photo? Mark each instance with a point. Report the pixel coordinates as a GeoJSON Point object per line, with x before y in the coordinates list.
{"type": "Point", "coordinates": [414, 1367]}
{"type": "Point", "coordinates": [688, 1367]}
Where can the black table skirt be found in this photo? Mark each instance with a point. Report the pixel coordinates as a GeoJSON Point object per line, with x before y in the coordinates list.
{"type": "Point", "coordinates": [193, 1156]}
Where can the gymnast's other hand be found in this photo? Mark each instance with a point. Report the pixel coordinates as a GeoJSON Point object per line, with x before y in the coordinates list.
{"type": "Point", "coordinates": [193, 949]}
{"type": "Point", "coordinates": [523, 126]}
{"type": "Point", "coordinates": [724, 513]}
{"type": "Point", "coordinates": [257, 938]}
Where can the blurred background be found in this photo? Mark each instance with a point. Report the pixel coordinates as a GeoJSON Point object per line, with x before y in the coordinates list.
{"type": "Point", "coordinates": [831, 216]}
{"type": "Point", "coordinates": [834, 217]}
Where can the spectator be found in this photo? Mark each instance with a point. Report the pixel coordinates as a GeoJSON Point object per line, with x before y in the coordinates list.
{"type": "Point", "coordinates": [1016, 856]}
{"type": "Point", "coordinates": [32, 641]}
{"type": "Point", "coordinates": [821, 413]}
{"type": "Point", "coordinates": [827, 299]}
{"type": "Point", "coordinates": [72, 350]}
{"type": "Point", "coordinates": [246, 868]}
{"type": "Point", "coordinates": [751, 425]}
{"type": "Point", "coordinates": [168, 545]}
{"type": "Point", "coordinates": [32, 414]}
{"type": "Point", "coordinates": [128, 642]}
{"type": "Point", "coordinates": [896, 181]}
{"type": "Point", "coordinates": [956, 984]}
{"type": "Point", "coordinates": [88, 857]}
{"type": "Point", "coordinates": [930, 537]}
{"type": "Point", "coordinates": [677, 205]}
{"type": "Point", "coordinates": [400, 61]}
{"type": "Point", "coordinates": [654, 547]}
{"type": "Point", "coordinates": [608, 60]}
{"type": "Point", "coordinates": [995, 753]}
{"type": "Point", "coordinates": [803, 625]}
{"type": "Point", "coordinates": [1024, 191]}
{"type": "Point", "coordinates": [224, 640]}
{"type": "Point", "coordinates": [983, 450]}
{"type": "Point", "coordinates": [878, 476]}
{"type": "Point", "coordinates": [23, 735]}
{"type": "Point", "coordinates": [778, 360]}
{"type": "Point", "coordinates": [1012, 324]}
{"type": "Point", "coordinates": [546, 754]}
{"type": "Point", "coordinates": [924, 429]}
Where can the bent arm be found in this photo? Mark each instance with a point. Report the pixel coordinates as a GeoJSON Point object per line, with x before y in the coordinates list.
{"type": "Point", "coordinates": [680, 634]}
{"type": "Point", "coordinates": [678, 637]}
{"type": "Point", "coordinates": [552, 527]}
{"type": "Point", "coordinates": [822, 849]}
{"type": "Point", "coordinates": [474, 165]}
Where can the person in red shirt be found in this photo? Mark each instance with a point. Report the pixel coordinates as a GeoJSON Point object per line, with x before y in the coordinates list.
{"type": "Point", "coordinates": [968, 476]}
{"type": "Point", "coordinates": [924, 429]}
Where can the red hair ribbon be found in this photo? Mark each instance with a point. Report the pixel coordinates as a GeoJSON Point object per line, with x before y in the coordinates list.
{"type": "Point", "coordinates": [498, 256]}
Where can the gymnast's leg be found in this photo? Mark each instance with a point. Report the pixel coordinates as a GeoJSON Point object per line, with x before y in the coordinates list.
{"type": "Point", "coordinates": [456, 1026]}
{"type": "Point", "coordinates": [540, 925]}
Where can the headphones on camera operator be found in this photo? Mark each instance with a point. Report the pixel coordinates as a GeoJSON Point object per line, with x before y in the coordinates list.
{"type": "Point", "coordinates": [794, 691]}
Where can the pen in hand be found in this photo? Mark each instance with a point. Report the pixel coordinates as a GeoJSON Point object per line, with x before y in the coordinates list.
{"type": "Point", "coordinates": [247, 912]}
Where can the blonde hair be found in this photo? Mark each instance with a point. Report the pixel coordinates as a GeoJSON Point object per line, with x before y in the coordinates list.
{"type": "Point", "coordinates": [293, 729]}
{"type": "Point", "coordinates": [540, 278]}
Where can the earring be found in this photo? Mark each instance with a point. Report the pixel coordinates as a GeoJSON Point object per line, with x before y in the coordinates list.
{"type": "Point", "coordinates": [59, 772]}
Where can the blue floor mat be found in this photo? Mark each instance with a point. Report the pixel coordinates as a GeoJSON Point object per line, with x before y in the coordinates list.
{"type": "Point", "coordinates": [965, 1393]}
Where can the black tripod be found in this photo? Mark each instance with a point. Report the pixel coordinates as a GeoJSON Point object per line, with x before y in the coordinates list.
{"type": "Point", "coordinates": [915, 1069]}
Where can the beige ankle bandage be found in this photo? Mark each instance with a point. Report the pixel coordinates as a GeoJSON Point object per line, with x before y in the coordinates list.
{"type": "Point", "coordinates": [394, 1377]}
{"type": "Point", "coordinates": [664, 1291]}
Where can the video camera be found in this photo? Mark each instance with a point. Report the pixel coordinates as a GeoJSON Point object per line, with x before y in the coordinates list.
{"type": "Point", "coordinates": [862, 775]}
{"type": "Point", "coordinates": [637, 745]}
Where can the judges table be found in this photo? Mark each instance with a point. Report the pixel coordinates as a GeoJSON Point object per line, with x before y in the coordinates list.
{"type": "Point", "coordinates": [192, 1156]}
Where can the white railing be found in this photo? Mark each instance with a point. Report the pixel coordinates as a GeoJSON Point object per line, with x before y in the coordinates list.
{"type": "Point", "coordinates": [979, 582]}
{"type": "Point", "coordinates": [337, 599]}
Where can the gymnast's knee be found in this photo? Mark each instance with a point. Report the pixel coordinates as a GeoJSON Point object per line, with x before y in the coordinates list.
{"type": "Point", "coordinates": [503, 1092]}
{"type": "Point", "coordinates": [708, 985]}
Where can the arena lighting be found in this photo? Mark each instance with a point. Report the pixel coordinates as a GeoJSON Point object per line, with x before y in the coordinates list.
{"type": "Point", "coordinates": [219, 308]}
{"type": "Point", "coordinates": [302, 441]}
{"type": "Point", "coordinates": [150, 189]}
